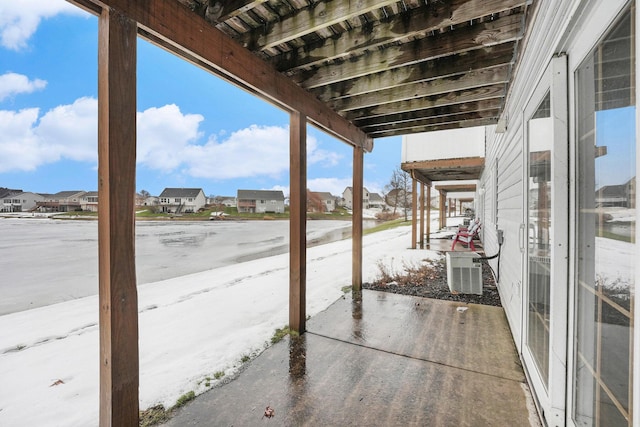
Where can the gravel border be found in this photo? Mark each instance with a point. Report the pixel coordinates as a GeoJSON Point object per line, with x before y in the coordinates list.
{"type": "Point", "coordinates": [430, 281]}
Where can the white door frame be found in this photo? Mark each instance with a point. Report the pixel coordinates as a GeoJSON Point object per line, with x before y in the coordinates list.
{"type": "Point", "coordinates": [551, 399]}
{"type": "Point", "coordinates": [591, 23]}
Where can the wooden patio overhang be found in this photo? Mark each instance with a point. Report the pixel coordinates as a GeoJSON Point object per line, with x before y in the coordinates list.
{"type": "Point", "coordinates": [452, 169]}
{"type": "Point", "coordinates": [358, 70]}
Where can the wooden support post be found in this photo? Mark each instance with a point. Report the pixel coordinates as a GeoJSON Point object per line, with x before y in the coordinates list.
{"type": "Point", "coordinates": [119, 366]}
{"type": "Point", "coordinates": [414, 212]}
{"type": "Point", "coordinates": [356, 228]}
{"type": "Point", "coordinates": [298, 222]}
{"type": "Point", "coordinates": [428, 213]}
{"type": "Point", "coordinates": [421, 215]}
{"type": "Point", "coordinates": [443, 220]}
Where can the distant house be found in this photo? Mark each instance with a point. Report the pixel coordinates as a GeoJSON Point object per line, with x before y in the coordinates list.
{"type": "Point", "coordinates": [151, 201]}
{"type": "Point", "coordinates": [139, 200]}
{"type": "Point", "coordinates": [63, 201]}
{"type": "Point", "coordinates": [260, 201]}
{"type": "Point", "coordinates": [20, 202]}
{"type": "Point", "coordinates": [622, 195]}
{"type": "Point", "coordinates": [5, 192]}
{"type": "Point", "coordinates": [347, 197]}
{"type": "Point", "coordinates": [375, 200]}
{"type": "Point", "coordinates": [181, 200]}
{"type": "Point", "coordinates": [89, 201]}
{"type": "Point", "coordinates": [319, 201]}
{"type": "Point", "coordinates": [229, 201]}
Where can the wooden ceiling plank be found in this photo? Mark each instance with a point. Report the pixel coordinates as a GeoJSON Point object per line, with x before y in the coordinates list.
{"type": "Point", "coordinates": [221, 11]}
{"type": "Point", "coordinates": [487, 92]}
{"type": "Point", "coordinates": [440, 120]}
{"type": "Point", "coordinates": [421, 129]}
{"type": "Point", "coordinates": [423, 71]}
{"type": "Point", "coordinates": [420, 20]}
{"type": "Point", "coordinates": [369, 124]}
{"type": "Point", "coordinates": [309, 20]}
{"type": "Point", "coordinates": [190, 36]}
{"type": "Point", "coordinates": [468, 81]}
{"type": "Point", "coordinates": [455, 163]}
{"type": "Point", "coordinates": [456, 188]}
{"type": "Point", "coordinates": [503, 30]}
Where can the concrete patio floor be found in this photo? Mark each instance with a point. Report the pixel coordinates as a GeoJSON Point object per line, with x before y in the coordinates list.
{"type": "Point", "coordinates": [381, 360]}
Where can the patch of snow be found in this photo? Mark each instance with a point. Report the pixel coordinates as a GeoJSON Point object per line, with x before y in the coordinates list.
{"type": "Point", "coordinates": [190, 327]}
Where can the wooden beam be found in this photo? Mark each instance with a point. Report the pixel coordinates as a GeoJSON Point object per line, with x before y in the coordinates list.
{"type": "Point", "coordinates": [441, 100]}
{"type": "Point", "coordinates": [306, 21]}
{"type": "Point", "coordinates": [420, 177]}
{"type": "Point", "coordinates": [172, 26]}
{"type": "Point", "coordinates": [458, 163]}
{"type": "Point", "coordinates": [220, 11]}
{"type": "Point", "coordinates": [429, 213]}
{"type": "Point", "coordinates": [502, 30]}
{"type": "Point", "coordinates": [437, 68]}
{"type": "Point", "coordinates": [443, 217]}
{"type": "Point", "coordinates": [356, 235]}
{"type": "Point", "coordinates": [297, 222]}
{"type": "Point", "coordinates": [467, 81]}
{"type": "Point", "coordinates": [456, 188]}
{"type": "Point", "coordinates": [414, 211]}
{"type": "Point", "coordinates": [421, 129]}
{"type": "Point", "coordinates": [417, 22]}
{"type": "Point", "coordinates": [403, 126]}
{"type": "Point", "coordinates": [118, 298]}
{"type": "Point", "coordinates": [421, 215]}
{"type": "Point", "coordinates": [392, 120]}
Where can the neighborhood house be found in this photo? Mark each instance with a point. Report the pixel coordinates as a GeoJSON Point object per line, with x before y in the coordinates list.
{"type": "Point", "coordinates": [260, 201]}
{"type": "Point", "coordinates": [181, 200]}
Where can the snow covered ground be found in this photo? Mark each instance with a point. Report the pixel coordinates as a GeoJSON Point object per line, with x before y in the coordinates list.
{"type": "Point", "coordinates": [190, 327]}
{"type": "Point", "coordinates": [47, 261]}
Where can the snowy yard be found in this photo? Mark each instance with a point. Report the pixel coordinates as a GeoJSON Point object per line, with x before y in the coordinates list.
{"type": "Point", "coordinates": [190, 327]}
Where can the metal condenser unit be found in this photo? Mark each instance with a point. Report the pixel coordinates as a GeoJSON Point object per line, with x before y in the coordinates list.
{"type": "Point", "coordinates": [463, 275]}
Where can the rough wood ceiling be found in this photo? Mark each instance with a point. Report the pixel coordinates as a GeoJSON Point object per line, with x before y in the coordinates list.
{"type": "Point", "coordinates": [390, 67]}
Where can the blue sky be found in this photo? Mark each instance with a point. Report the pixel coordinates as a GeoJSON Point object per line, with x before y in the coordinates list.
{"type": "Point", "coordinates": [194, 129]}
{"type": "Point", "coordinates": [616, 130]}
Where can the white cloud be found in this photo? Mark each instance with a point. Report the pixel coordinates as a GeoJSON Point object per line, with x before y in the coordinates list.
{"type": "Point", "coordinates": [13, 84]}
{"type": "Point", "coordinates": [67, 131]}
{"type": "Point", "coordinates": [334, 186]}
{"type": "Point", "coordinates": [256, 150]}
{"type": "Point", "coordinates": [165, 136]}
{"type": "Point", "coordinates": [316, 155]}
{"type": "Point", "coordinates": [168, 141]}
{"type": "Point", "coordinates": [284, 189]}
{"type": "Point", "coordinates": [71, 130]}
{"type": "Point", "coordinates": [19, 20]}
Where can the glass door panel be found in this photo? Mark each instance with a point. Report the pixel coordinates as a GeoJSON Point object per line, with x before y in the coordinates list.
{"type": "Point", "coordinates": [540, 136]}
{"type": "Point", "coordinates": [606, 224]}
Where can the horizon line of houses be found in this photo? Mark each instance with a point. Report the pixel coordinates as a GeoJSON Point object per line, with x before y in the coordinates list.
{"type": "Point", "coordinates": [180, 200]}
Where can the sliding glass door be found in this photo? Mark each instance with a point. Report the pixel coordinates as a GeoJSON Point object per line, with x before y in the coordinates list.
{"type": "Point", "coordinates": [606, 229]}
{"type": "Point", "coordinates": [544, 241]}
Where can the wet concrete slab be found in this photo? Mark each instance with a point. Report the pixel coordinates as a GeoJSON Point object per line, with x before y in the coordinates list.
{"type": "Point", "coordinates": [382, 360]}
{"type": "Point", "coordinates": [467, 336]}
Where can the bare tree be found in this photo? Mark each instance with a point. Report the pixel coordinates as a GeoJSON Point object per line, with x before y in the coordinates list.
{"type": "Point", "coordinates": [399, 191]}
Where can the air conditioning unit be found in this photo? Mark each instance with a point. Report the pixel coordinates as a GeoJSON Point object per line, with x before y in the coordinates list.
{"type": "Point", "coordinates": [463, 275]}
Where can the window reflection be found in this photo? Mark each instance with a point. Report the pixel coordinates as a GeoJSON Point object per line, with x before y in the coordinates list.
{"type": "Point", "coordinates": [540, 137]}
{"type": "Point", "coordinates": [606, 230]}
